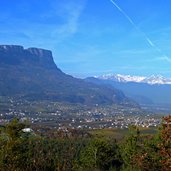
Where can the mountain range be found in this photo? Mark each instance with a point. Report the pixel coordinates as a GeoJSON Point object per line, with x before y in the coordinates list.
{"type": "Point", "coordinates": [32, 74]}
{"type": "Point", "coordinates": [158, 79]}
{"type": "Point", "coordinates": [154, 90]}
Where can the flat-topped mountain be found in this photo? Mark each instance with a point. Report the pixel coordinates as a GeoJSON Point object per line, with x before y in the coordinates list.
{"type": "Point", "coordinates": [17, 55]}
{"type": "Point", "coordinates": [31, 73]}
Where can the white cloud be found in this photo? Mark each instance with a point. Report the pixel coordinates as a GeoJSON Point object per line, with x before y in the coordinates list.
{"type": "Point", "coordinates": [70, 13]}
{"type": "Point", "coordinates": [164, 58]}
{"type": "Point", "coordinates": [132, 51]}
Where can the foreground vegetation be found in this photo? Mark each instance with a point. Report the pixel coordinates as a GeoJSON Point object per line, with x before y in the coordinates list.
{"type": "Point", "coordinates": [80, 151]}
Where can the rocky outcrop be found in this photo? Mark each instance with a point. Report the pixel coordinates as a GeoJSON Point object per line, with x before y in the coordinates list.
{"type": "Point", "coordinates": [11, 48]}
{"type": "Point", "coordinates": [40, 52]}
{"type": "Point", "coordinates": [44, 57]}
{"type": "Point", "coordinates": [17, 55]}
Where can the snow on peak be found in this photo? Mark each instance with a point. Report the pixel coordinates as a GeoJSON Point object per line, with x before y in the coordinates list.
{"type": "Point", "coordinates": [158, 79]}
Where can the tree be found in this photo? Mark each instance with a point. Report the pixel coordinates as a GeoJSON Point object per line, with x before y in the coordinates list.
{"type": "Point", "coordinates": [14, 146]}
{"type": "Point", "coordinates": [165, 144]}
{"type": "Point", "coordinates": [100, 154]}
{"type": "Point", "coordinates": [130, 148]}
{"type": "Point", "coordinates": [14, 129]}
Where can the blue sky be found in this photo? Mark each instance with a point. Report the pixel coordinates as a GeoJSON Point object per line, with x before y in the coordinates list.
{"type": "Point", "coordinates": [93, 37]}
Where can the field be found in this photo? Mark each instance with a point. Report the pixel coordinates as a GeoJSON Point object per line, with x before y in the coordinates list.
{"type": "Point", "coordinates": [119, 134]}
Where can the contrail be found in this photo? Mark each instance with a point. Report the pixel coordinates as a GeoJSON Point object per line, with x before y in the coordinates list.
{"type": "Point", "coordinates": [125, 14]}
{"type": "Point", "coordinates": [137, 28]}
{"type": "Point", "coordinates": [150, 42]}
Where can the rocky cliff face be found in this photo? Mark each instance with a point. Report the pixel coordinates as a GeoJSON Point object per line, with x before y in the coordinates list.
{"type": "Point", "coordinates": [31, 73]}
{"type": "Point", "coordinates": [17, 55]}
{"type": "Point", "coordinates": [11, 48]}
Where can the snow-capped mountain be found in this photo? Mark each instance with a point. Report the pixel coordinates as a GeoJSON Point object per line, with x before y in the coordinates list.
{"type": "Point", "coordinates": [158, 79]}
